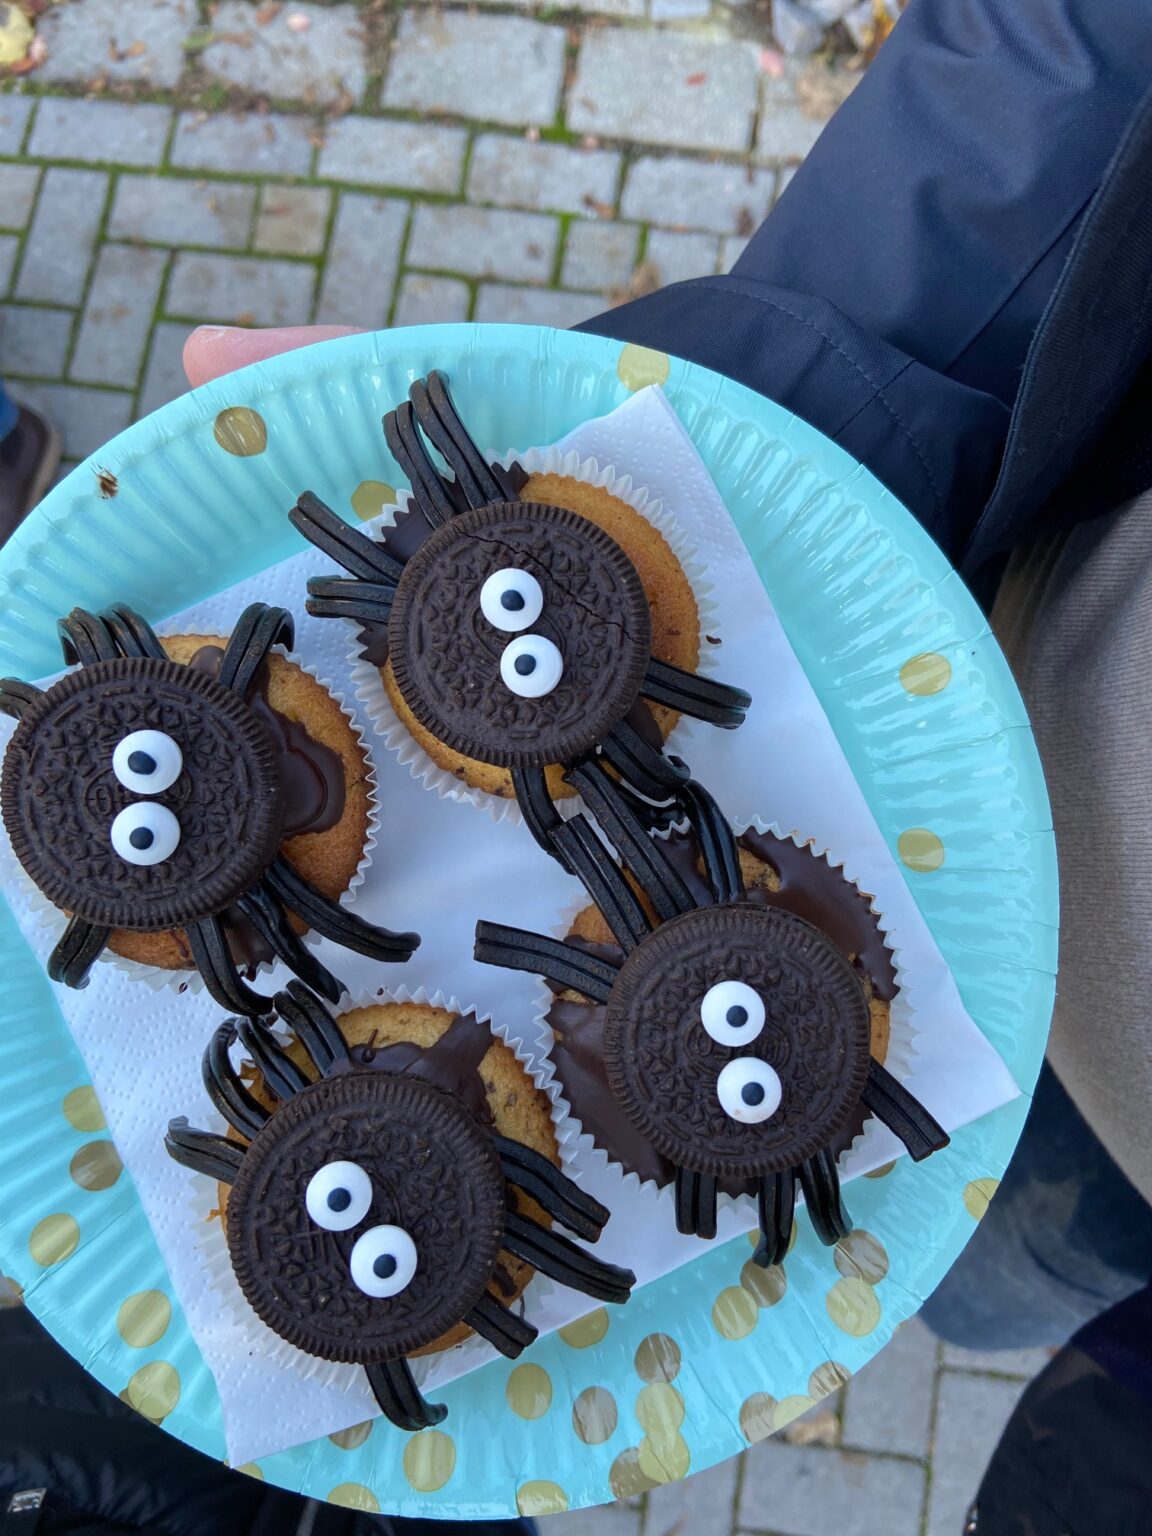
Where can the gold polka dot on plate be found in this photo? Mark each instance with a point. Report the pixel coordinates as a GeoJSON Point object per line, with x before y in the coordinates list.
{"type": "Point", "coordinates": [82, 1110]}
{"type": "Point", "coordinates": [789, 1408]}
{"type": "Point", "coordinates": [664, 1460]}
{"type": "Point", "coordinates": [355, 1496]}
{"type": "Point", "coordinates": [926, 674]}
{"type": "Point", "coordinates": [143, 1318]}
{"type": "Point", "coordinates": [657, 1358]}
{"type": "Point", "coordinates": [827, 1378]}
{"type": "Point", "coordinates": [250, 1469]}
{"type": "Point", "coordinates": [541, 1498]}
{"type": "Point", "coordinates": [352, 1438]}
{"type": "Point", "coordinates": [862, 1255]}
{"type": "Point", "coordinates": [96, 1166]}
{"type": "Point", "coordinates": [734, 1313]}
{"type": "Point", "coordinates": [154, 1390]}
{"type": "Point", "coordinates": [920, 850]}
{"type": "Point", "coordinates": [766, 1286]}
{"type": "Point", "coordinates": [54, 1239]}
{"type": "Point", "coordinates": [371, 497]}
{"type": "Point", "coordinates": [660, 1408]}
{"type": "Point", "coordinates": [11, 1292]}
{"type": "Point", "coordinates": [241, 431]}
{"type": "Point", "coordinates": [882, 1172]}
{"type": "Point", "coordinates": [594, 1415]}
{"type": "Point", "coordinates": [977, 1195]}
{"type": "Point", "coordinates": [853, 1307]}
{"type": "Point", "coordinates": [529, 1391]}
{"type": "Point", "coordinates": [755, 1235]}
{"type": "Point", "coordinates": [626, 1478]}
{"type": "Point", "coordinates": [756, 1416]}
{"type": "Point", "coordinates": [429, 1460]}
{"type": "Point", "coordinates": [586, 1331]}
{"type": "Point", "coordinates": [637, 367]}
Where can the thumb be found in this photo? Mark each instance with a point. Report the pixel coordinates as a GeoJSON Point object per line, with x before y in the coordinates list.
{"type": "Point", "coordinates": [212, 350]}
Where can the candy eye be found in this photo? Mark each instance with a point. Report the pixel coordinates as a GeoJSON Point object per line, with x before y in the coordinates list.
{"type": "Point", "coordinates": [749, 1090]}
{"type": "Point", "coordinates": [732, 1013]}
{"type": "Point", "coordinates": [147, 762]}
{"type": "Point", "coordinates": [531, 666]}
{"type": "Point", "coordinates": [383, 1261]}
{"type": "Point", "coordinates": [511, 600]}
{"type": "Point", "coordinates": [145, 833]}
{"type": "Point", "coordinates": [338, 1196]}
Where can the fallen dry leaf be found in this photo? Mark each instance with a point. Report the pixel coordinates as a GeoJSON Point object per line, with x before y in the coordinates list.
{"type": "Point", "coordinates": [601, 210]}
{"type": "Point", "coordinates": [745, 221]}
{"type": "Point", "coordinates": [268, 12]}
{"type": "Point", "coordinates": [645, 279]}
{"type": "Point", "coordinates": [696, 79]}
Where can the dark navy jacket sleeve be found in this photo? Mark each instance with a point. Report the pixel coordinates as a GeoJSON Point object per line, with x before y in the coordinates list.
{"type": "Point", "coordinates": [891, 295]}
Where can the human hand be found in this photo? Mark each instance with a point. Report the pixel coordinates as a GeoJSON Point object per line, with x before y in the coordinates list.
{"type": "Point", "coordinates": [213, 350]}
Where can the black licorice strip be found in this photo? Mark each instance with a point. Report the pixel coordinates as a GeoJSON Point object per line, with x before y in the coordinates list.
{"type": "Point", "coordinates": [278, 1070]}
{"type": "Point", "coordinates": [133, 635]}
{"type": "Point", "coordinates": [568, 967]}
{"type": "Point", "coordinates": [81, 945]}
{"type": "Point", "coordinates": [212, 958]}
{"type": "Point", "coordinates": [563, 1261]}
{"type": "Point", "coordinates": [429, 490]}
{"type": "Point", "coordinates": [203, 1151]}
{"type": "Point", "coordinates": [715, 703]}
{"type": "Point", "coordinates": [445, 431]}
{"type": "Point", "coordinates": [902, 1113]}
{"type": "Point", "coordinates": [585, 855]}
{"type": "Point", "coordinates": [646, 769]}
{"type": "Point", "coordinates": [333, 921]}
{"type": "Point", "coordinates": [224, 1088]}
{"type": "Point", "coordinates": [16, 697]}
{"type": "Point", "coordinates": [564, 1200]}
{"type": "Point", "coordinates": [540, 814]}
{"type": "Point", "coordinates": [345, 597]}
{"type": "Point", "coordinates": [499, 481]}
{"type": "Point", "coordinates": [777, 1211]}
{"type": "Point", "coordinates": [312, 1025]}
{"type": "Point", "coordinates": [395, 1389]}
{"type": "Point", "coordinates": [695, 1203]}
{"type": "Point", "coordinates": [654, 874]}
{"type": "Point", "coordinates": [360, 556]}
{"type": "Point", "coordinates": [270, 921]}
{"type": "Point", "coordinates": [717, 842]}
{"type": "Point", "coordinates": [510, 1334]}
{"type": "Point", "coordinates": [821, 1185]}
{"type": "Point", "coordinates": [257, 630]}
{"type": "Point", "coordinates": [85, 638]}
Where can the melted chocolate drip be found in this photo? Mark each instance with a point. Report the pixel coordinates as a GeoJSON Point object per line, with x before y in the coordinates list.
{"type": "Point", "coordinates": [452, 1062]}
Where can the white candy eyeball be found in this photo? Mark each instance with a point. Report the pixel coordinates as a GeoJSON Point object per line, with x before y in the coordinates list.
{"type": "Point", "coordinates": [749, 1090]}
{"type": "Point", "coordinates": [511, 600]}
{"type": "Point", "coordinates": [338, 1196]}
{"type": "Point", "coordinates": [145, 833]}
{"type": "Point", "coordinates": [732, 1013]}
{"type": "Point", "coordinates": [147, 762]}
{"type": "Point", "coordinates": [383, 1261]}
{"type": "Point", "coordinates": [531, 666]}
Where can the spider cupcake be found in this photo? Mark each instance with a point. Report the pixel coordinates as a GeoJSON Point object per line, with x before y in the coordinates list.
{"type": "Point", "coordinates": [719, 1020]}
{"type": "Point", "coordinates": [519, 622]}
{"type": "Point", "coordinates": [190, 803]}
{"type": "Point", "coordinates": [391, 1181]}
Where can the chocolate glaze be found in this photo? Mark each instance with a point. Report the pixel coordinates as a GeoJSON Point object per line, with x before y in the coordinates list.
{"type": "Point", "coordinates": [451, 1063]}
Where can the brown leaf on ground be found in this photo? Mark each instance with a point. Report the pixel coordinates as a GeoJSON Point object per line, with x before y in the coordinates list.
{"type": "Point", "coordinates": [745, 222]}
{"type": "Point", "coordinates": [245, 318]}
{"type": "Point", "coordinates": [813, 1429]}
{"type": "Point", "coordinates": [133, 51]}
{"type": "Point", "coordinates": [268, 12]}
{"type": "Point", "coordinates": [697, 79]}
{"type": "Point", "coordinates": [601, 210]}
{"type": "Point", "coordinates": [645, 279]}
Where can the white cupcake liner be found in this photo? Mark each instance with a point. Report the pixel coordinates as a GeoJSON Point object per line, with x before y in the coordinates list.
{"type": "Point", "coordinates": [157, 977]}
{"type": "Point", "coordinates": [429, 1370]}
{"type": "Point", "coordinates": [369, 684]}
{"type": "Point", "coordinates": [580, 1145]}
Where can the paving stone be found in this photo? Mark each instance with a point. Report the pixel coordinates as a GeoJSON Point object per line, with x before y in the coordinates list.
{"type": "Point", "coordinates": [85, 418]}
{"type": "Point", "coordinates": [599, 255]}
{"type": "Point", "coordinates": [731, 251]}
{"type": "Point", "coordinates": [8, 248]}
{"type": "Point", "coordinates": [786, 132]}
{"type": "Point", "coordinates": [803, 1491]}
{"type": "Point", "coordinates": [14, 114]}
{"type": "Point", "coordinates": [181, 212]}
{"type": "Point", "coordinates": [293, 220]}
{"type": "Point", "coordinates": [701, 1505]}
{"type": "Point", "coordinates": [680, 256]}
{"type": "Point", "coordinates": [783, 178]}
{"type": "Point", "coordinates": [679, 10]}
{"type": "Point", "coordinates": [164, 377]}
{"type": "Point", "coordinates": [503, 69]}
{"type": "Point", "coordinates": [426, 300]}
{"type": "Point", "coordinates": [483, 242]}
{"type": "Point", "coordinates": [665, 88]}
{"type": "Point", "coordinates": [249, 144]}
{"type": "Point", "coordinates": [58, 249]}
{"type": "Point", "coordinates": [118, 315]}
{"type": "Point", "coordinates": [125, 133]}
{"type": "Point", "coordinates": [108, 39]}
{"type": "Point", "coordinates": [363, 260]}
{"type": "Point", "coordinates": [321, 63]}
{"type": "Point", "coordinates": [34, 340]}
{"type": "Point", "coordinates": [604, 1520]}
{"type": "Point", "coordinates": [697, 194]}
{"type": "Point", "coordinates": [387, 153]}
{"type": "Point", "coordinates": [888, 1404]}
{"type": "Point", "coordinates": [517, 173]}
{"type": "Point", "coordinates": [536, 306]}
{"type": "Point", "coordinates": [18, 185]}
{"type": "Point", "coordinates": [971, 1411]}
{"type": "Point", "coordinates": [1025, 1363]}
{"type": "Point", "coordinates": [633, 8]}
{"type": "Point", "coordinates": [236, 290]}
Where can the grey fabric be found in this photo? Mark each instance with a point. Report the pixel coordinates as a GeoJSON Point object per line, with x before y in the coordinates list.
{"type": "Point", "coordinates": [1074, 615]}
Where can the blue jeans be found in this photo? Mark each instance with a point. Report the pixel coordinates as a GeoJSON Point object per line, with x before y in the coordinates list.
{"type": "Point", "coordinates": [7, 411]}
{"type": "Point", "coordinates": [1066, 1237]}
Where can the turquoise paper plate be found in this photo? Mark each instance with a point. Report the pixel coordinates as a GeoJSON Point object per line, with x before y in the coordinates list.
{"type": "Point", "coordinates": [718, 1353]}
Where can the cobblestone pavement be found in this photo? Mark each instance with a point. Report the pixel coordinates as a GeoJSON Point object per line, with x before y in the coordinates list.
{"type": "Point", "coordinates": [171, 163]}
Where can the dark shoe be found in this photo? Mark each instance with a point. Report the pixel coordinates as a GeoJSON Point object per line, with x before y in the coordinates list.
{"type": "Point", "coordinates": [28, 459]}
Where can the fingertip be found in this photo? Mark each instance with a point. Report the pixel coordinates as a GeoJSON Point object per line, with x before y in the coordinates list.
{"type": "Point", "coordinates": [214, 350]}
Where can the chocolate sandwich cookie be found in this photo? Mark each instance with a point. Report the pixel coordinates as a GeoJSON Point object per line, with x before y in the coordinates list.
{"type": "Point", "coordinates": [380, 1200]}
{"type": "Point", "coordinates": [190, 804]}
